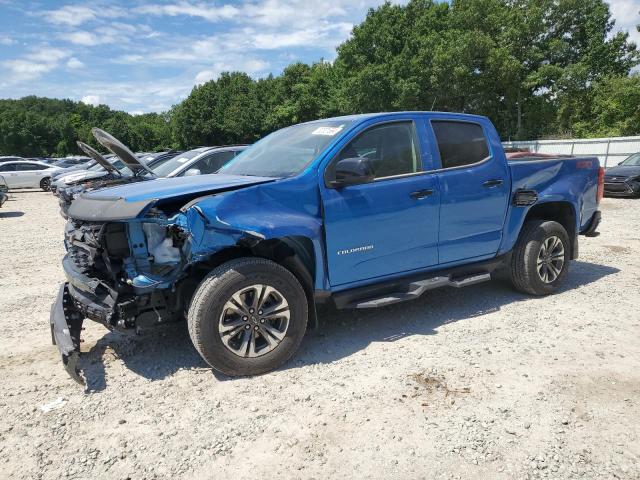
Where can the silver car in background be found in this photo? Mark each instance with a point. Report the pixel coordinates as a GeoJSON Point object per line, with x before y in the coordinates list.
{"type": "Point", "coordinates": [27, 174]}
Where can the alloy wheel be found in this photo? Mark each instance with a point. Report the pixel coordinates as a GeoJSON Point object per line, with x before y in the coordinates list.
{"type": "Point", "coordinates": [550, 259]}
{"type": "Point", "coordinates": [254, 321]}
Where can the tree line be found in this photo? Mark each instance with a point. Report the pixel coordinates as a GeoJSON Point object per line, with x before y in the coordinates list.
{"type": "Point", "coordinates": [537, 68]}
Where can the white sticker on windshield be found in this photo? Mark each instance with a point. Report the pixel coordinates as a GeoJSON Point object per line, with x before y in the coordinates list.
{"type": "Point", "coordinates": [182, 159]}
{"type": "Point", "coordinates": [328, 131]}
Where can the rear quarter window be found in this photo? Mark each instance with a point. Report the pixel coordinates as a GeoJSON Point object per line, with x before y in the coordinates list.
{"type": "Point", "coordinates": [460, 143]}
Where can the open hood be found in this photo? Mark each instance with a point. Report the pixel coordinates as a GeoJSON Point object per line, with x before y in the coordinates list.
{"type": "Point", "coordinates": [115, 146]}
{"type": "Point", "coordinates": [93, 153]}
{"type": "Point", "coordinates": [128, 201]}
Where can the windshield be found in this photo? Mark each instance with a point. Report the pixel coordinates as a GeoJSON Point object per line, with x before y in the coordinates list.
{"type": "Point", "coordinates": [165, 166]}
{"type": "Point", "coordinates": [286, 152]}
{"type": "Point", "coordinates": [633, 160]}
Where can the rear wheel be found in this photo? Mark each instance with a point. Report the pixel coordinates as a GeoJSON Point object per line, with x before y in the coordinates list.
{"type": "Point", "coordinates": [45, 184]}
{"type": "Point", "coordinates": [541, 258]}
{"type": "Point", "coordinates": [248, 316]}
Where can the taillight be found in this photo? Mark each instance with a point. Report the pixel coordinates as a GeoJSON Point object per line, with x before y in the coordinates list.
{"type": "Point", "coordinates": [600, 193]}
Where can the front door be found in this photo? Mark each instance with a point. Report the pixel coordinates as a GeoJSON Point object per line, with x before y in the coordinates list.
{"type": "Point", "coordinates": [387, 226]}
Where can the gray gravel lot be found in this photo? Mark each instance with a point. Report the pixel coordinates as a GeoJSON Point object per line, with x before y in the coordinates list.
{"type": "Point", "coordinates": [474, 383]}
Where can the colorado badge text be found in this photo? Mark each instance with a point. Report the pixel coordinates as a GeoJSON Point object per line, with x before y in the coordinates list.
{"type": "Point", "coordinates": [355, 250]}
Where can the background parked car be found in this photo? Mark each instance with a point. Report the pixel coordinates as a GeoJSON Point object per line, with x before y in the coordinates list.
{"type": "Point", "coordinates": [27, 174]}
{"type": "Point", "coordinates": [75, 168]}
{"type": "Point", "coordinates": [115, 169]}
{"type": "Point", "coordinates": [199, 161]}
{"type": "Point", "coordinates": [3, 191]}
{"type": "Point", "coordinates": [623, 180]}
{"type": "Point", "coordinates": [70, 161]}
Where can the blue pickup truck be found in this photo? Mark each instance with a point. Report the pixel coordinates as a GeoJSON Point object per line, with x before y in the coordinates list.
{"type": "Point", "coordinates": [361, 211]}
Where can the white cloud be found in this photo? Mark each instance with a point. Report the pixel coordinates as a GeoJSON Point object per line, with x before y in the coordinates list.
{"type": "Point", "coordinates": [75, 15]}
{"type": "Point", "coordinates": [74, 64]}
{"type": "Point", "coordinates": [69, 15]}
{"type": "Point", "coordinates": [209, 12]}
{"type": "Point", "coordinates": [94, 100]}
{"type": "Point", "coordinates": [82, 38]}
{"type": "Point", "coordinates": [204, 76]}
{"type": "Point", "coordinates": [35, 63]}
{"type": "Point", "coordinates": [6, 40]}
{"type": "Point", "coordinates": [626, 13]}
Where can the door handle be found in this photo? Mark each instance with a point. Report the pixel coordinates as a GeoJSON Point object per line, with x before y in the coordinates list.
{"type": "Point", "coordinates": [492, 183]}
{"type": "Point", "coordinates": [420, 194]}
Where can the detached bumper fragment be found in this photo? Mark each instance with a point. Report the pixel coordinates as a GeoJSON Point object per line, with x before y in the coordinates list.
{"type": "Point", "coordinates": [66, 324]}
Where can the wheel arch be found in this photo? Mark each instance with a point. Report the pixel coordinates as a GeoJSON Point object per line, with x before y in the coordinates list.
{"type": "Point", "coordinates": [558, 211]}
{"type": "Point", "coordinates": [295, 253]}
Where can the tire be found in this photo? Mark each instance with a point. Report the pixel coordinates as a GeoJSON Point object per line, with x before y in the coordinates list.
{"type": "Point", "coordinates": [45, 184]}
{"type": "Point", "coordinates": [525, 270]}
{"type": "Point", "coordinates": [241, 279]}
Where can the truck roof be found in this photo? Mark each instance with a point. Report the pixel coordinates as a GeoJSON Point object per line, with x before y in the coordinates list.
{"type": "Point", "coordinates": [367, 116]}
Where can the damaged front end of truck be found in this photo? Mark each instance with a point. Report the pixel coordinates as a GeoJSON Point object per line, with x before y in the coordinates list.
{"type": "Point", "coordinates": [134, 264]}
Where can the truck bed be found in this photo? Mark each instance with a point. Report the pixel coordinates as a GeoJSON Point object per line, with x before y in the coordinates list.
{"type": "Point", "coordinates": [553, 178]}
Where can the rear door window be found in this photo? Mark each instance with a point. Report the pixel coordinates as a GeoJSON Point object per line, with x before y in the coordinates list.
{"type": "Point", "coordinates": [460, 143]}
{"type": "Point", "coordinates": [213, 163]}
{"type": "Point", "coordinates": [8, 167]}
{"type": "Point", "coordinates": [29, 167]}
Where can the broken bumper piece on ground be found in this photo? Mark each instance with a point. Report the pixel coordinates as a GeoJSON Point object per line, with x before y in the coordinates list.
{"type": "Point", "coordinates": [66, 324]}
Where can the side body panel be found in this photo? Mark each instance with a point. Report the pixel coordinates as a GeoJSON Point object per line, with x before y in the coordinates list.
{"type": "Point", "coordinates": [573, 181]}
{"type": "Point", "coordinates": [284, 208]}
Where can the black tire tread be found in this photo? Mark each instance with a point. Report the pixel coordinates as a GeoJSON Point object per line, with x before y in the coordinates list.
{"type": "Point", "coordinates": [522, 276]}
{"type": "Point", "coordinates": [215, 279]}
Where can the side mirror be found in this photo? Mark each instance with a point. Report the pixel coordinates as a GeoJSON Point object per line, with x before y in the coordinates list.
{"type": "Point", "coordinates": [192, 172]}
{"type": "Point", "coordinates": [353, 171]}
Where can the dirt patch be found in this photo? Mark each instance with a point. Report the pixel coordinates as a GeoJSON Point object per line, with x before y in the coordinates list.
{"type": "Point", "coordinates": [618, 249]}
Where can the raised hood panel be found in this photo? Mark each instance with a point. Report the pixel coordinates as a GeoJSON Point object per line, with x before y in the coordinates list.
{"type": "Point", "coordinates": [128, 201]}
{"type": "Point", "coordinates": [96, 156]}
{"type": "Point", "coordinates": [118, 148]}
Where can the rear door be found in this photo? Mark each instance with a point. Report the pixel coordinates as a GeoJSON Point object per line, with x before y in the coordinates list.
{"type": "Point", "coordinates": [30, 174]}
{"type": "Point", "coordinates": [475, 188]}
{"type": "Point", "coordinates": [390, 225]}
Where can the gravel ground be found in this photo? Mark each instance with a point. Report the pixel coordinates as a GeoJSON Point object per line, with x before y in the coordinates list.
{"type": "Point", "coordinates": [473, 383]}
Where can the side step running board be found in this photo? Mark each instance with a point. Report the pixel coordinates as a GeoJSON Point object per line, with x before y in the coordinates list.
{"type": "Point", "coordinates": [418, 288]}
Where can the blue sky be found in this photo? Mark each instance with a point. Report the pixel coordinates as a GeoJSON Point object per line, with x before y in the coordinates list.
{"type": "Point", "coordinates": [146, 55]}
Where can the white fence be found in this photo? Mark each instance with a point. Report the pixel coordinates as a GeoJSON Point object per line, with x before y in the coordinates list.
{"type": "Point", "coordinates": [610, 151]}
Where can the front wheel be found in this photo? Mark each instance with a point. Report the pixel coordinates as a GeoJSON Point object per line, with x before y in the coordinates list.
{"type": "Point", "coordinates": [45, 184]}
{"type": "Point", "coordinates": [248, 316]}
{"type": "Point", "coordinates": [540, 258]}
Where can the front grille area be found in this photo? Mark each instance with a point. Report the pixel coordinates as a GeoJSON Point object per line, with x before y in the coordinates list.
{"type": "Point", "coordinates": [85, 249]}
{"type": "Point", "coordinates": [614, 179]}
{"type": "Point", "coordinates": [616, 187]}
